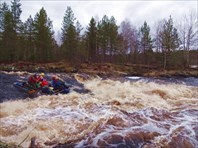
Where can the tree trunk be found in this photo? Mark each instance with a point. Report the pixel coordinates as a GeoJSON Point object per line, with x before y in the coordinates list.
{"type": "Point", "coordinates": [187, 57]}
{"type": "Point", "coordinates": [165, 60]}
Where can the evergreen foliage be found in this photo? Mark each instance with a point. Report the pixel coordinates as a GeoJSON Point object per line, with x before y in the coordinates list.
{"type": "Point", "coordinates": [3, 9]}
{"type": "Point", "coordinates": [145, 40]}
{"type": "Point", "coordinates": [169, 39]}
{"type": "Point", "coordinates": [43, 36]}
{"type": "Point", "coordinates": [69, 33]}
{"type": "Point", "coordinates": [91, 40]}
{"type": "Point", "coordinates": [16, 12]}
{"type": "Point", "coordinates": [107, 37]}
{"type": "Point", "coordinates": [29, 31]}
{"type": "Point", "coordinates": [8, 37]}
{"type": "Point", "coordinates": [103, 40]}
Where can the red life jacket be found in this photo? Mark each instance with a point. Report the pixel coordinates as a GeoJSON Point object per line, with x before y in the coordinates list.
{"type": "Point", "coordinates": [32, 79]}
{"type": "Point", "coordinates": [44, 83]}
{"type": "Point", "coordinates": [39, 79]}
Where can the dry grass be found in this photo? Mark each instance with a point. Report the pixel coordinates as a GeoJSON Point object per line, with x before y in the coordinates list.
{"type": "Point", "coordinates": [107, 69]}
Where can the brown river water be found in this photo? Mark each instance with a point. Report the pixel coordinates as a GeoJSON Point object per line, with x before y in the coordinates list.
{"type": "Point", "coordinates": [121, 114]}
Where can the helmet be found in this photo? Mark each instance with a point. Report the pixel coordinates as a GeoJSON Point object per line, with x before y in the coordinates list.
{"type": "Point", "coordinates": [42, 74]}
{"type": "Point", "coordinates": [54, 77]}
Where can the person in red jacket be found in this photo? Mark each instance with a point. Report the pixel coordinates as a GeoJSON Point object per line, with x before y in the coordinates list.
{"type": "Point", "coordinates": [44, 83]}
{"type": "Point", "coordinates": [35, 80]}
{"type": "Point", "coordinates": [32, 80]}
{"type": "Point", "coordinates": [44, 86]}
{"type": "Point", "coordinates": [40, 77]}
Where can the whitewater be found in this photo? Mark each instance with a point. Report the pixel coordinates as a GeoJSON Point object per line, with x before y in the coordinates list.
{"type": "Point", "coordinates": [116, 112]}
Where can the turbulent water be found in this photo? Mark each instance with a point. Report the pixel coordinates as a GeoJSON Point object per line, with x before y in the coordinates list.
{"type": "Point", "coordinates": [127, 112]}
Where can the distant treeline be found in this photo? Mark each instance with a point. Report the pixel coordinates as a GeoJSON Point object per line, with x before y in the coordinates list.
{"type": "Point", "coordinates": [102, 41]}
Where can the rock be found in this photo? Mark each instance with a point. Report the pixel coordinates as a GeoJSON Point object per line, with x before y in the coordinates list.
{"type": "Point", "coordinates": [33, 143]}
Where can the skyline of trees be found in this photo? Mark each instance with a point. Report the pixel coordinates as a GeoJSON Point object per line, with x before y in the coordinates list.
{"type": "Point", "coordinates": [100, 41]}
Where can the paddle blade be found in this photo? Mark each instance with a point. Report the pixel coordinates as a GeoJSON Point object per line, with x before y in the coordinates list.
{"type": "Point", "coordinates": [31, 91]}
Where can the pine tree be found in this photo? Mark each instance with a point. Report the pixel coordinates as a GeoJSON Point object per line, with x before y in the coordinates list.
{"type": "Point", "coordinates": [8, 37]}
{"type": "Point", "coordinates": [29, 36]}
{"type": "Point", "coordinates": [91, 39]}
{"type": "Point", "coordinates": [3, 9]}
{"type": "Point", "coordinates": [103, 37]}
{"type": "Point", "coordinates": [16, 12]}
{"type": "Point", "coordinates": [79, 28]}
{"type": "Point", "coordinates": [18, 28]}
{"type": "Point", "coordinates": [145, 41]}
{"type": "Point", "coordinates": [43, 36]}
{"type": "Point", "coordinates": [70, 43]}
{"type": "Point", "coordinates": [107, 36]}
{"type": "Point", "coordinates": [69, 35]}
{"type": "Point", "coordinates": [169, 39]}
{"type": "Point", "coordinates": [113, 36]}
{"type": "Point", "coordinates": [80, 54]}
{"type": "Point", "coordinates": [68, 20]}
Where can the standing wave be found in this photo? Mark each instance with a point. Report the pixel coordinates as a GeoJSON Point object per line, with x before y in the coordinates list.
{"type": "Point", "coordinates": [113, 114]}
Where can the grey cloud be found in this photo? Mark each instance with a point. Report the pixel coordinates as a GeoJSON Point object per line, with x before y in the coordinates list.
{"type": "Point", "coordinates": [135, 11]}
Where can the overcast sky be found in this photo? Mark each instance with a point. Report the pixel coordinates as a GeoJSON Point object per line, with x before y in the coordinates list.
{"type": "Point", "coordinates": [135, 11]}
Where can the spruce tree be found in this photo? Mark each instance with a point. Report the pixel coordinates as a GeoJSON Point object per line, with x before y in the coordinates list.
{"type": "Point", "coordinates": [29, 30]}
{"type": "Point", "coordinates": [8, 37]}
{"type": "Point", "coordinates": [68, 20]}
{"type": "Point", "coordinates": [10, 30]}
{"type": "Point", "coordinates": [43, 36]}
{"type": "Point", "coordinates": [3, 9]}
{"type": "Point", "coordinates": [80, 54]}
{"type": "Point", "coordinates": [107, 36]}
{"type": "Point", "coordinates": [16, 12]}
{"type": "Point", "coordinates": [103, 36]}
{"type": "Point", "coordinates": [70, 35]}
{"type": "Point", "coordinates": [91, 39]}
{"type": "Point", "coordinates": [18, 28]}
{"type": "Point", "coordinates": [113, 36]}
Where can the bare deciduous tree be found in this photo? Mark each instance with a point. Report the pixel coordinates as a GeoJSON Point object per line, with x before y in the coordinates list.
{"type": "Point", "coordinates": [188, 32]}
{"type": "Point", "coordinates": [130, 39]}
{"type": "Point", "coordinates": [158, 28]}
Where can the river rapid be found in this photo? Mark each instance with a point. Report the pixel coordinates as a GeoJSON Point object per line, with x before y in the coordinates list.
{"type": "Point", "coordinates": [128, 112]}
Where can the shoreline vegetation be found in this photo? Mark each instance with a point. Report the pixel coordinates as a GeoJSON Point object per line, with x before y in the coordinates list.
{"type": "Point", "coordinates": [100, 69]}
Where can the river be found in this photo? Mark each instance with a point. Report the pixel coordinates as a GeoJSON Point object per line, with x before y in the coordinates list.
{"type": "Point", "coordinates": [115, 112]}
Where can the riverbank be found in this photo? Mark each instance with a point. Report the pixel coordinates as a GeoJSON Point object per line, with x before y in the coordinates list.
{"type": "Point", "coordinates": [100, 69]}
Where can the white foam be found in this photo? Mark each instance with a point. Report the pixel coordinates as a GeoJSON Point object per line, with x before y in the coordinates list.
{"type": "Point", "coordinates": [61, 116]}
{"type": "Point", "coordinates": [134, 77]}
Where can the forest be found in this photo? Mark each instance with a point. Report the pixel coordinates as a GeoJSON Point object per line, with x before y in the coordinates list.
{"type": "Point", "coordinates": [173, 45]}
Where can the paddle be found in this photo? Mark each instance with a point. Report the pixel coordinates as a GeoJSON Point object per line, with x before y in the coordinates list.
{"type": "Point", "coordinates": [31, 92]}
